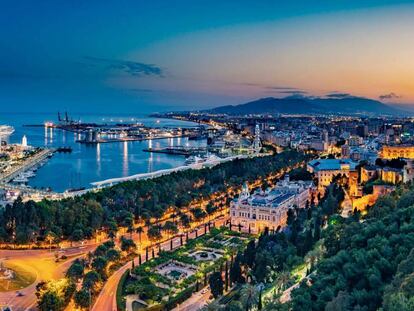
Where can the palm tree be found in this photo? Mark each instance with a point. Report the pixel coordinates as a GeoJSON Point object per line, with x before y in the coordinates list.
{"type": "Point", "coordinates": [249, 296]}
{"type": "Point", "coordinates": [139, 231]}
{"type": "Point", "coordinates": [282, 279]}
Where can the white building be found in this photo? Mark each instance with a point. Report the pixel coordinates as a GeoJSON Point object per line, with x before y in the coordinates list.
{"type": "Point", "coordinates": [269, 208]}
{"type": "Point", "coordinates": [326, 169]}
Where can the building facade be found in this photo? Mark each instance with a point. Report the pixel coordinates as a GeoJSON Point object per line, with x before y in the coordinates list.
{"type": "Point", "coordinates": [326, 169]}
{"type": "Point", "coordinates": [397, 151]}
{"type": "Point", "coordinates": [268, 209]}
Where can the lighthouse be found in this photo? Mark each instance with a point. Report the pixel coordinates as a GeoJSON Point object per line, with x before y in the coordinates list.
{"type": "Point", "coordinates": [24, 142]}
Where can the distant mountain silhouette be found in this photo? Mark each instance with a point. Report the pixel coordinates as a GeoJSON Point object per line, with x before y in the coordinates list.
{"type": "Point", "coordinates": [313, 105]}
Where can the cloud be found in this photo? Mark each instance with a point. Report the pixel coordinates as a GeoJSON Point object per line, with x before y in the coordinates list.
{"type": "Point", "coordinates": [338, 95]}
{"type": "Point", "coordinates": [293, 92]}
{"type": "Point", "coordinates": [389, 96]}
{"type": "Point", "coordinates": [281, 88]}
{"type": "Point", "coordinates": [130, 67]}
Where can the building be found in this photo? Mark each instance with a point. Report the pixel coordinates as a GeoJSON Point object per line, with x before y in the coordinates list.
{"type": "Point", "coordinates": [391, 175]}
{"type": "Point", "coordinates": [397, 151]}
{"type": "Point", "coordinates": [326, 169]}
{"type": "Point", "coordinates": [362, 130]}
{"type": "Point", "coordinates": [408, 171]}
{"type": "Point", "coordinates": [268, 209]}
{"type": "Point", "coordinates": [368, 173]}
{"type": "Point", "coordinates": [345, 151]}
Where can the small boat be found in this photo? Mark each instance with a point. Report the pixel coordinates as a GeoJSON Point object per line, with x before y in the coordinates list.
{"type": "Point", "coordinates": [20, 179]}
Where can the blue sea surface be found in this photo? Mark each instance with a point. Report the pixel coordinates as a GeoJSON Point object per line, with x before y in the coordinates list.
{"type": "Point", "coordinates": [90, 163]}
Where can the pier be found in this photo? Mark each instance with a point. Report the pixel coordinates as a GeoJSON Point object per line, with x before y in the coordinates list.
{"type": "Point", "coordinates": [127, 139]}
{"type": "Point", "coordinates": [27, 164]}
{"type": "Point", "coordinates": [187, 151]}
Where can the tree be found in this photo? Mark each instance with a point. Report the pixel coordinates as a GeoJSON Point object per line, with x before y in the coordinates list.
{"type": "Point", "coordinates": [82, 298]}
{"type": "Point", "coordinates": [249, 296]}
{"type": "Point", "coordinates": [154, 234]}
{"type": "Point", "coordinates": [198, 213]}
{"type": "Point", "coordinates": [113, 255]}
{"type": "Point", "coordinates": [99, 264]}
{"type": "Point", "coordinates": [50, 301]}
{"type": "Point", "coordinates": [91, 279]}
{"type": "Point", "coordinates": [75, 271]}
{"type": "Point", "coordinates": [140, 230]}
{"type": "Point", "coordinates": [342, 302]}
{"type": "Point", "coordinates": [250, 253]}
{"type": "Point", "coordinates": [216, 284]}
{"type": "Point", "coordinates": [185, 220]}
{"type": "Point", "coordinates": [235, 270]}
{"type": "Point", "coordinates": [170, 228]}
{"type": "Point", "coordinates": [127, 245]}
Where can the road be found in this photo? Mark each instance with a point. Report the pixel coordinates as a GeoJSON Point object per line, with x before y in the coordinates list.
{"type": "Point", "coordinates": [106, 300]}
{"type": "Point", "coordinates": [196, 302]}
{"type": "Point", "coordinates": [42, 264]}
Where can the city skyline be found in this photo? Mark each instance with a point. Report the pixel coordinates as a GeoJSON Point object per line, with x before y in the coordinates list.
{"type": "Point", "coordinates": [149, 57]}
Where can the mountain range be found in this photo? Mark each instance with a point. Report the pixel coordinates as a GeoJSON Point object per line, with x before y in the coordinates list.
{"type": "Point", "coordinates": [349, 105]}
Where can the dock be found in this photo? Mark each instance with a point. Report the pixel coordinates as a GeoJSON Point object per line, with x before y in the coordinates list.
{"type": "Point", "coordinates": [186, 151]}
{"type": "Point", "coordinates": [26, 164]}
{"type": "Point", "coordinates": [126, 139]}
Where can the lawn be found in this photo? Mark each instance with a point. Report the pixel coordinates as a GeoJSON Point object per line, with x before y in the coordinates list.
{"type": "Point", "coordinates": [22, 278]}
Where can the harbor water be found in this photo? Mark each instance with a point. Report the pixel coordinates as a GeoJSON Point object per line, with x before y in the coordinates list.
{"type": "Point", "coordinates": [91, 163]}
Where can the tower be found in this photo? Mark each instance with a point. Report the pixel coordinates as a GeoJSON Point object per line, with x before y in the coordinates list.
{"type": "Point", "coordinates": [24, 141]}
{"type": "Point", "coordinates": [257, 144]}
{"type": "Point", "coordinates": [245, 193]}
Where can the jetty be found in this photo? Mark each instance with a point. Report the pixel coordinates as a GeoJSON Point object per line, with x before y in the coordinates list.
{"type": "Point", "coordinates": [186, 151]}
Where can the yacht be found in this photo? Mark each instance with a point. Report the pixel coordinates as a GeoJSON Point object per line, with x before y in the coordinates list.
{"type": "Point", "coordinates": [6, 130]}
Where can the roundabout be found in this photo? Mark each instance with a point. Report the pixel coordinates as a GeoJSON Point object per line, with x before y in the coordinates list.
{"type": "Point", "coordinates": [14, 277]}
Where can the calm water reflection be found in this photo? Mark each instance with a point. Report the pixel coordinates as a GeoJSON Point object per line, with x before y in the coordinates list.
{"type": "Point", "coordinates": [89, 163]}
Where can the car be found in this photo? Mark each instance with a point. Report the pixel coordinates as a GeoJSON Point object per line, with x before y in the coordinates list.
{"type": "Point", "coordinates": [205, 290]}
{"type": "Point", "coordinates": [19, 294]}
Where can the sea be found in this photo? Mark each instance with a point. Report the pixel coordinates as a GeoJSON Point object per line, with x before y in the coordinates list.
{"type": "Point", "coordinates": [91, 163]}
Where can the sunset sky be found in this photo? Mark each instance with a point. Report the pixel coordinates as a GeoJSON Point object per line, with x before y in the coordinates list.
{"type": "Point", "coordinates": [153, 55]}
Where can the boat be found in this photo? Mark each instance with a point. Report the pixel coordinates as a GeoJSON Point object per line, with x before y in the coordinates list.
{"type": "Point", "coordinates": [21, 179]}
{"type": "Point", "coordinates": [194, 160]}
{"type": "Point", "coordinates": [6, 130]}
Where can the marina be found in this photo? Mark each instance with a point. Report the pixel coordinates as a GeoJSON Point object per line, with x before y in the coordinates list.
{"type": "Point", "coordinates": [74, 166]}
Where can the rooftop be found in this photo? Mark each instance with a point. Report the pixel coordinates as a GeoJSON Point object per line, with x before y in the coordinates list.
{"type": "Point", "coordinates": [332, 164]}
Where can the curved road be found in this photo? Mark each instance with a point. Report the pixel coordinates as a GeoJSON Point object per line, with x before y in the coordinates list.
{"type": "Point", "coordinates": [42, 264]}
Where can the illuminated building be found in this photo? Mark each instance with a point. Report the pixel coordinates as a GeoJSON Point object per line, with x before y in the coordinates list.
{"type": "Point", "coordinates": [326, 169]}
{"type": "Point", "coordinates": [268, 209]}
{"type": "Point", "coordinates": [397, 151]}
{"type": "Point", "coordinates": [367, 173]}
{"type": "Point", "coordinates": [391, 175]}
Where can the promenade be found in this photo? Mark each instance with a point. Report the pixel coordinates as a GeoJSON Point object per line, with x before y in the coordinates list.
{"type": "Point", "coordinates": [196, 166]}
{"type": "Point", "coordinates": [26, 164]}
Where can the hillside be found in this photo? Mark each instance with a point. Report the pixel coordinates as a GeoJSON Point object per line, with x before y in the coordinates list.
{"type": "Point", "coordinates": [306, 105]}
{"type": "Point", "coordinates": [367, 264]}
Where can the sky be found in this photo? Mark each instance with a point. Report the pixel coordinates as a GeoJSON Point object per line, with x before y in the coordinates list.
{"type": "Point", "coordinates": [146, 56]}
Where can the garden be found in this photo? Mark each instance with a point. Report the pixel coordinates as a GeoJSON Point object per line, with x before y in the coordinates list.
{"type": "Point", "coordinates": [171, 278]}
